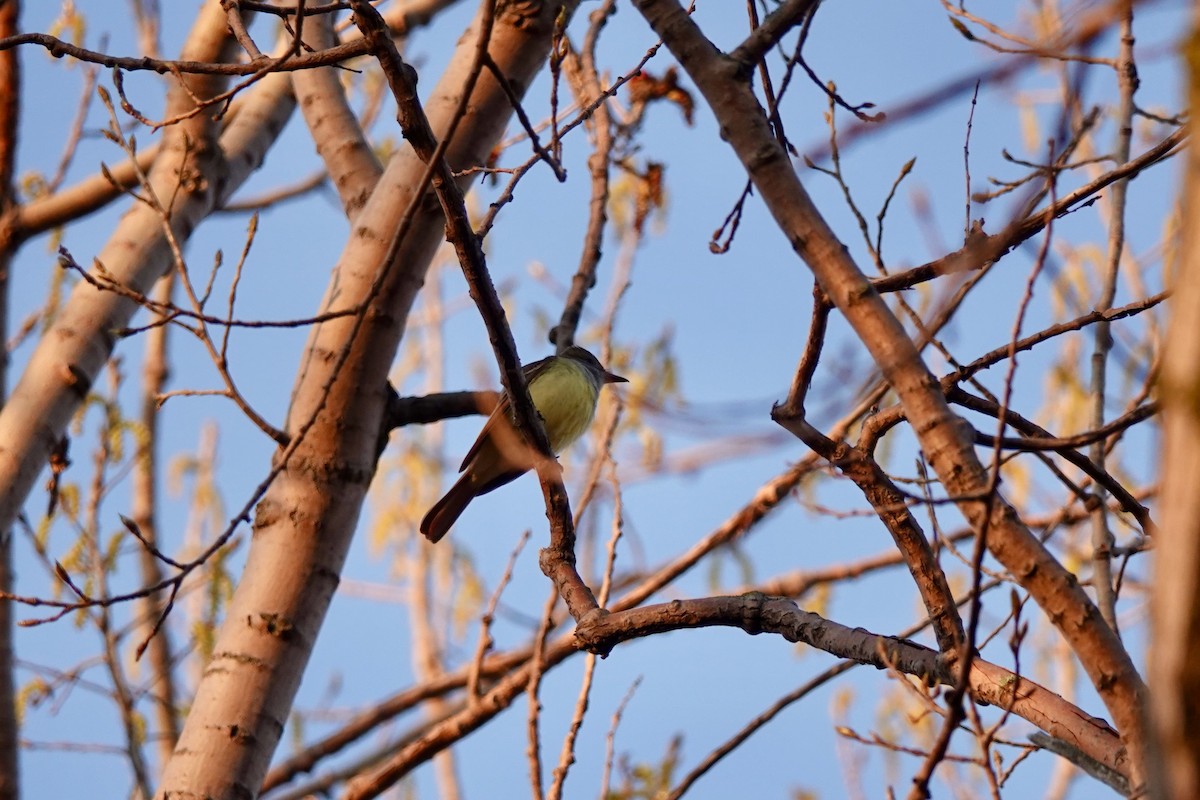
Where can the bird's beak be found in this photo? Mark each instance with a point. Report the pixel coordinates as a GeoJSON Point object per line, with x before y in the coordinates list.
{"type": "Point", "coordinates": [611, 378]}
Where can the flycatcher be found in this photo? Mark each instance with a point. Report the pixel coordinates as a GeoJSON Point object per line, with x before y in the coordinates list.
{"type": "Point", "coordinates": [564, 390]}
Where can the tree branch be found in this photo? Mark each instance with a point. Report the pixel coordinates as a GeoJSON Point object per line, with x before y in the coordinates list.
{"type": "Point", "coordinates": [946, 438]}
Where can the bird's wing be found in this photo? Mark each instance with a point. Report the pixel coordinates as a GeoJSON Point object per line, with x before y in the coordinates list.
{"type": "Point", "coordinates": [503, 411]}
{"type": "Point", "coordinates": [499, 413]}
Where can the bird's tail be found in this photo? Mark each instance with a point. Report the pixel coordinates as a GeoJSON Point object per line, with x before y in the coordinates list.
{"type": "Point", "coordinates": [446, 511]}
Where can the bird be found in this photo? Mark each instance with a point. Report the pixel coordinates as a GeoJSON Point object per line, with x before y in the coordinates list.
{"type": "Point", "coordinates": [565, 389]}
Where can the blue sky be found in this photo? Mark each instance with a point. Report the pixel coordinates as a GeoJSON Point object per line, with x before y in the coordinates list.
{"type": "Point", "coordinates": [737, 323]}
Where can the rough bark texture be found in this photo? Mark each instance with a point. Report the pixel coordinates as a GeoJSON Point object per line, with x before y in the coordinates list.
{"type": "Point", "coordinates": [305, 522]}
{"type": "Point", "coordinates": [352, 167]}
{"type": "Point", "coordinates": [75, 349]}
{"type": "Point", "coordinates": [72, 352]}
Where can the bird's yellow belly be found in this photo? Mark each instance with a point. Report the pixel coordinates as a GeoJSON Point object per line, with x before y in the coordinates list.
{"type": "Point", "coordinates": [570, 411]}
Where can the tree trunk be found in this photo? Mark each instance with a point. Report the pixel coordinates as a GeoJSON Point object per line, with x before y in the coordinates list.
{"type": "Point", "coordinates": [305, 521]}
{"type": "Point", "coordinates": [1175, 648]}
{"type": "Point", "coordinates": [10, 78]}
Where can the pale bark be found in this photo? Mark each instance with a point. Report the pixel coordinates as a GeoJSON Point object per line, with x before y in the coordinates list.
{"type": "Point", "coordinates": [10, 78]}
{"type": "Point", "coordinates": [70, 355]}
{"type": "Point", "coordinates": [305, 522]}
{"type": "Point", "coordinates": [1103, 540]}
{"type": "Point", "coordinates": [429, 566]}
{"type": "Point", "coordinates": [144, 512]}
{"type": "Point", "coordinates": [1175, 644]}
{"type": "Point", "coordinates": [82, 198]}
{"type": "Point", "coordinates": [352, 167]}
{"type": "Point", "coordinates": [73, 351]}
